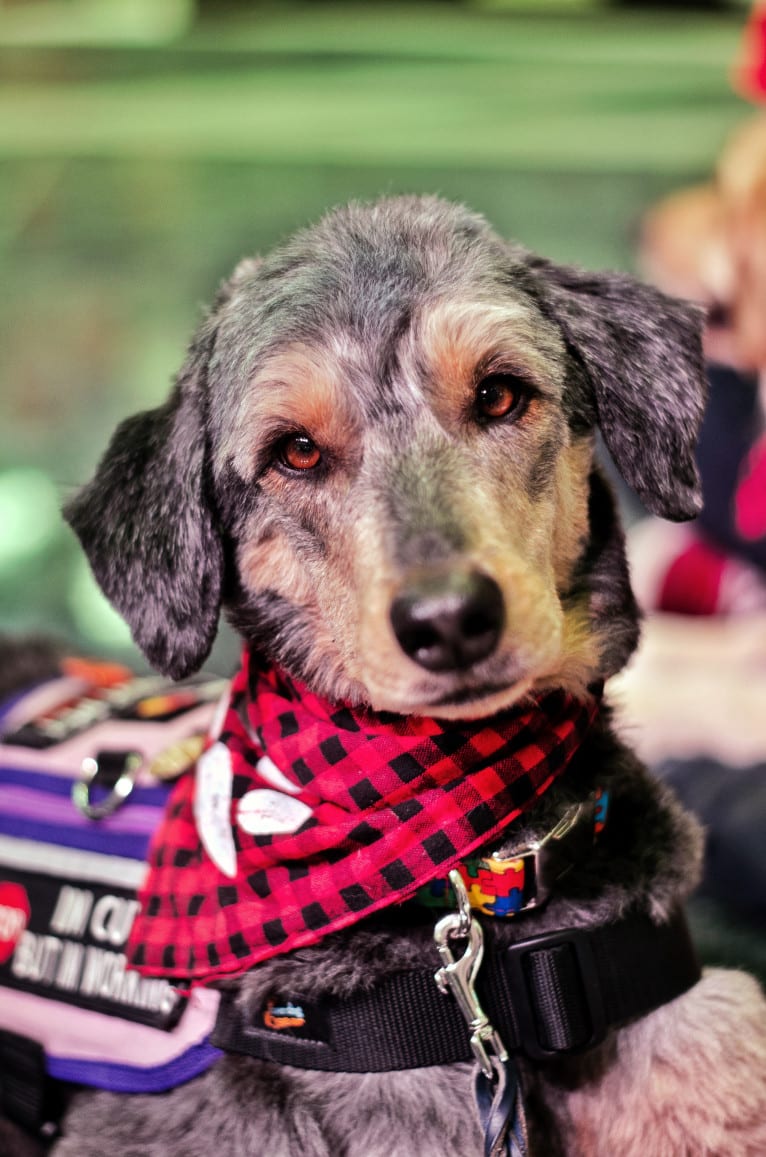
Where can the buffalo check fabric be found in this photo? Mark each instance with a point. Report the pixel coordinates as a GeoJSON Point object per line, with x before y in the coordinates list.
{"type": "Point", "coordinates": [319, 814]}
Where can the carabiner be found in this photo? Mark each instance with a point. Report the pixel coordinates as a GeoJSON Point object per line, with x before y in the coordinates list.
{"type": "Point", "coordinates": [458, 975]}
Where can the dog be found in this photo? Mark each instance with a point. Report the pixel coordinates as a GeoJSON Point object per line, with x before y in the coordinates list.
{"type": "Point", "coordinates": [379, 460]}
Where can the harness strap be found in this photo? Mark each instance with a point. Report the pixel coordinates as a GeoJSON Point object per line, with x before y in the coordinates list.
{"type": "Point", "coordinates": [548, 996]}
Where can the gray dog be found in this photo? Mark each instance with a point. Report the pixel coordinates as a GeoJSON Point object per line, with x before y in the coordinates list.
{"type": "Point", "coordinates": [378, 458]}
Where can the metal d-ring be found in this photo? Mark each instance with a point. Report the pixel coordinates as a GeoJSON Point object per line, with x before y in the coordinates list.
{"type": "Point", "coordinates": [123, 785]}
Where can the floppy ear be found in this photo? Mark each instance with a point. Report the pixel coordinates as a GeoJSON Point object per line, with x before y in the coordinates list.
{"type": "Point", "coordinates": [147, 521]}
{"type": "Point", "coordinates": [642, 353]}
{"type": "Point", "coordinates": [148, 529]}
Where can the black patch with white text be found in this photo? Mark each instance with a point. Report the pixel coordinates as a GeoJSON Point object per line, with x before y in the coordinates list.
{"type": "Point", "coordinates": [64, 940]}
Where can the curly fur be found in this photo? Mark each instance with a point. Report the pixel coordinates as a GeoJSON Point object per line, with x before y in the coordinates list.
{"type": "Point", "coordinates": [371, 333]}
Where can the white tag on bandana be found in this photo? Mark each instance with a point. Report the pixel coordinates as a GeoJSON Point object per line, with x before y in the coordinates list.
{"type": "Point", "coordinates": [263, 812]}
{"type": "Point", "coordinates": [269, 771]}
{"type": "Point", "coordinates": [212, 807]}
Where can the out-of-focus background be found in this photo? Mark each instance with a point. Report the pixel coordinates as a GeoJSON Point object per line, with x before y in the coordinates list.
{"type": "Point", "coordinates": [146, 144]}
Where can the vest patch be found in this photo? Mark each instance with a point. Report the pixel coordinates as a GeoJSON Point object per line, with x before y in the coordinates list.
{"type": "Point", "coordinates": [65, 940]}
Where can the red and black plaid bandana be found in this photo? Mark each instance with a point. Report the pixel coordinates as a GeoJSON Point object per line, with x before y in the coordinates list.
{"type": "Point", "coordinates": [304, 816]}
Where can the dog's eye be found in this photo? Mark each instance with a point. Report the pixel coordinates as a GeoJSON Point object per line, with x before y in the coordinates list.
{"type": "Point", "coordinates": [299, 452]}
{"type": "Point", "coordinates": [498, 396]}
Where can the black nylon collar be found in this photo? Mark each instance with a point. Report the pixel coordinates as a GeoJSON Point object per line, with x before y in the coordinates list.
{"type": "Point", "coordinates": [548, 996]}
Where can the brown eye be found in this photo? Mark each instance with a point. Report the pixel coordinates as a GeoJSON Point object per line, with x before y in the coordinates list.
{"type": "Point", "coordinates": [299, 452]}
{"type": "Point", "coordinates": [497, 396]}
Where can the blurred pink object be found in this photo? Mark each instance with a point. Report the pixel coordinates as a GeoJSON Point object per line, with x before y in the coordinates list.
{"type": "Point", "coordinates": [749, 72]}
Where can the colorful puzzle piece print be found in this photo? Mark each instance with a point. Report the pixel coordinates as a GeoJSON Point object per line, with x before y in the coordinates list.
{"type": "Point", "coordinates": [495, 888]}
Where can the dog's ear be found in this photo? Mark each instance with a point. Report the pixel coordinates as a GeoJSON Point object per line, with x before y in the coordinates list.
{"type": "Point", "coordinates": [147, 524]}
{"type": "Point", "coordinates": [642, 353]}
{"type": "Point", "coordinates": [147, 521]}
{"type": "Point", "coordinates": [147, 528]}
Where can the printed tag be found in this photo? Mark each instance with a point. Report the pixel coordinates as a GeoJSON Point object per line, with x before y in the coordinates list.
{"type": "Point", "coordinates": [294, 1017]}
{"type": "Point", "coordinates": [279, 1016]}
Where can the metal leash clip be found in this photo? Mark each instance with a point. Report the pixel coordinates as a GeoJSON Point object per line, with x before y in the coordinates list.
{"type": "Point", "coordinates": [459, 975]}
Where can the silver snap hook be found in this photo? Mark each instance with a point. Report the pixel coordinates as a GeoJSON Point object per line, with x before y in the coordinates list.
{"type": "Point", "coordinates": [458, 975]}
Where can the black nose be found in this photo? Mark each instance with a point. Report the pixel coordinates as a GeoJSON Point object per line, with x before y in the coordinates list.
{"type": "Point", "coordinates": [450, 621]}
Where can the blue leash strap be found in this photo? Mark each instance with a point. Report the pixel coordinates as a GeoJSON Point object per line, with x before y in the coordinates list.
{"type": "Point", "coordinates": [501, 1110]}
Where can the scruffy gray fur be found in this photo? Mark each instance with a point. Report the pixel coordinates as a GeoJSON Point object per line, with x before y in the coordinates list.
{"type": "Point", "coordinates": [381, 337]}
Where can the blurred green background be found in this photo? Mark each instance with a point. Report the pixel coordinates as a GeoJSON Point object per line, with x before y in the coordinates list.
{"type": "Point", "coordinates": [146, 144]}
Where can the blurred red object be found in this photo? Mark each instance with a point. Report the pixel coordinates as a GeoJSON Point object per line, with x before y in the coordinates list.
{"type": "Point", "coordinates": [749, 73]}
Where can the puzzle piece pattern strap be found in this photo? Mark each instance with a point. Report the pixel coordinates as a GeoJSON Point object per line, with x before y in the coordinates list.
{"type": "Point", "coordinates": [495, 887]}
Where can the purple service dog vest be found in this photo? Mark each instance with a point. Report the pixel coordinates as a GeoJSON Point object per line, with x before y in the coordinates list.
{"type": "Point", "coordinates": [69, 876]}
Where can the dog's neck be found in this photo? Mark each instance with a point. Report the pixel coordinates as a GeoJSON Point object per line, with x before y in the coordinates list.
{"type": "Point", "coordinates": [306, 816]}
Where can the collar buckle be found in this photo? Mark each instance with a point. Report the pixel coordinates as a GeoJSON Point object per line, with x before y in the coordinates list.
{"type": "Point", "coordinates": [502, 886]}
{"type": "Point", "coordinates": [548, 859]}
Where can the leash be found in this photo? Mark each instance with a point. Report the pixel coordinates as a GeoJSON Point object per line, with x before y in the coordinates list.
{"type": "Point", "coordinates": [496, 1083]}
{"type": "Point", "coordinates": [501, 1111]}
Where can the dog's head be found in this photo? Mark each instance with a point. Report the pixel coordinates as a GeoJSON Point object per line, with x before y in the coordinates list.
{"type": "Point", "coordinates": [378, 457]}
